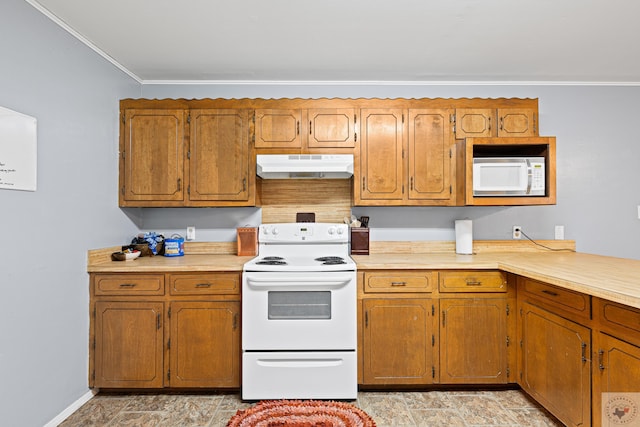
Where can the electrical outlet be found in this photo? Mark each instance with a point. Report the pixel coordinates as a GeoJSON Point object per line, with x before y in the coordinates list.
{"type": "Point", "coordinates": [517, 232]}
{"type": "Point", "coordinates": [559, 232]}
{"type": "Point", "coordinates": [191, 233]}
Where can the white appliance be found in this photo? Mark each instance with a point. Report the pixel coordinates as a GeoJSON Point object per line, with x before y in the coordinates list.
{"type": "Point", "coordinates": [513, 176]}
{"type": "Point", "coordinates": [464, 236]}
{"type": "Point", "coordinates": [318, 166]}
{"type": "Point", "coordinates": [299, 332]}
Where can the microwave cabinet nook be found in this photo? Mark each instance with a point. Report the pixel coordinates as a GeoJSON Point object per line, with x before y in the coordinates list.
{"type": "Point", "coordinates": [407, 152]}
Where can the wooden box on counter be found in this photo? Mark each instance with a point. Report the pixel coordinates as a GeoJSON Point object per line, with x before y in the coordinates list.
{"type": "Point", "coordinates": [247, 241]}
{"type": "Point", "coordinates": [359, 241]}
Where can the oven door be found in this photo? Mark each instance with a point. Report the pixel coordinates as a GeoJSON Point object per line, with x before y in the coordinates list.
{"type": "Point", "coordinates": [299, 311]}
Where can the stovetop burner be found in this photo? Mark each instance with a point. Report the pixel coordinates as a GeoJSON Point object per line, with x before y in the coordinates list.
{"type": "Point", "coordinates": [331, 260]}
{"type": "Point", "coordinates": [272, 260]}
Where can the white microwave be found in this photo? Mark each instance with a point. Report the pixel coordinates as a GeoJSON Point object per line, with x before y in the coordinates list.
{"type": "Point", "coordinates": [508, 176]}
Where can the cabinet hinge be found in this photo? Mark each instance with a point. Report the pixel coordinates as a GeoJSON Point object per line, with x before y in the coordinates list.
{"type": "Point", "coordinates": [508, 372]}
{"type": "Point", "coordinates": [452, 118]}
{"type": "Point", "coordinates": [402, 117]}
{"type": "Point", "coordinates": [354, 119]}
{"type": "Point", "coordinates": [433, 340]}
{"type": "Point", "coordinates": [93, 375]}
{"type": "Point", "coordinates": [402, 188]}
{"type": "Point", "coordinates": [122, 190]}
{"type": "Point", "coordinates": [189, 189]}
{"type": "Point", "coordinates": [450, 189]}
{"type": "Point", "coordinates": [433, 310]}
{"type": "Point", "coordinates": [433, 372]}
{"type": "Point", "coordinates": [450, 155]}
{"type": "Point", "coordinates": [521, 343]}
{"type": "Point", "coordinates": [189, 155]}
{"type": "Point", "coordinates": [124, 155]}
{"type": "Point", "coordinates": [189, 118]}
{"type": "Point", "coordinates": [444, 318]}
{"type": "Point", "coordinates": [453, 128]}
{"type": "Point", "coordinates": [508, 309]}
{"type": "Point", "coordinates": [123, 119]}
{"type": "Point", "coordinates": [94, 312]}
{"type": "Point", "coordinates": [169, 374]}
{"type": "Point", "coordinates": [355, 137]}
{"type": "Point", "coordinates": [169, 313]}
{"type": "Point", "coordinates": [169, 343]}
{"type": "Point", "coordinates": [508, 341]}
{"type": "Point", "coordinates": [94, 343]}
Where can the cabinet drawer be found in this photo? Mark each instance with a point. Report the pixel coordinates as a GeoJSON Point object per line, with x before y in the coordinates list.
{"type": "Point", "coordinates": [399, 281]}
{"type": "Point", "coordinates": [617, 316]}
{"type": "Point", "coordinates": [571, 301]}
{"type": "Point", "coordinates": [204, 283]}
{"type": "Point", "coordinates": [473, 281]}
{"type": "Point", "coordinates": [128, 284]}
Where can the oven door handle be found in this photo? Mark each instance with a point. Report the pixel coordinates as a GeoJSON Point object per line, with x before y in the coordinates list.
{"type": "Point", "coordinates": [300, 363]}
{"type": "Point", "coordinates": [271, 282]}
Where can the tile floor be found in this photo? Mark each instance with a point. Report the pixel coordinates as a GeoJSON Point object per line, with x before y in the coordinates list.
{"type": "Point", "coordinates": [420, 408]}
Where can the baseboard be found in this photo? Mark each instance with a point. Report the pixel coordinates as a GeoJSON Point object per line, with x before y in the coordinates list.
{"type": "Point", "coordinates": [71, 409]}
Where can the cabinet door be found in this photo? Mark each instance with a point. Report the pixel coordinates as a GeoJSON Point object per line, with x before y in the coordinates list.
{"type": "Point", "coordinates": [555, 364]}
{"type": "Point", "coordinates": [616, 378]}
{"type": "Point", "coordinates": [152, 155]}
{"type": "Point", "coordinates": [278, 128]}
{"type": "Point", "coordinates": [381, 148]}
{"type": "Point", "coordinates": [517, 122]}
{"type": "Point", "coordinates": [398, 341]}
{"type": "Point", "coordinates": [219, 155]}
{"type": "Point", "coordinates": [473, 341]}
{"type": "Point", "coordinates": [332, 127]}
{"type": "Point", "coordinates": [430, 142]}
{"type": "Point", "coordinates": [128, 344]}
{"type": "Point", "coordinates": [475, 122]}
{"type": "Point", "coordinates": [205, 344]}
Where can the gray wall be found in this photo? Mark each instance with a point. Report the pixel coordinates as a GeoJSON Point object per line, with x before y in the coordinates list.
{"type": "Point", "coordinates": [597, 164]}
{"type": "Point", "coordinates": [44, 318]}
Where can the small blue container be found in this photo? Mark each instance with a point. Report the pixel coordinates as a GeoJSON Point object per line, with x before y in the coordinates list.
{"type": "Point", "coordinates": [174, 246]}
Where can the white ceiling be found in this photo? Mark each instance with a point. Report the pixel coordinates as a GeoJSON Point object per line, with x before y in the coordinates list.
{"type": "Point", "coordinates": [581, 41]}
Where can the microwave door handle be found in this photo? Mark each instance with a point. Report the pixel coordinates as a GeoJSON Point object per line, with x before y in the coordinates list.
{"type": "Point", "coordinates": [529, 177]}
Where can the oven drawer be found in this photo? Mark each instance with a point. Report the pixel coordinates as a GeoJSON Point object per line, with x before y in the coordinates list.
{"type": "Point", "coordinates": [399, 281]}
{"type": "Point", "coordinates": [204, 284]}
{"type": "Point", "coordinates": [289, 375]}
{"type": "Point", "coordinates": [128, 284]}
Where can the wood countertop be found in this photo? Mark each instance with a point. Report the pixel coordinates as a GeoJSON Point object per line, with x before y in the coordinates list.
{"type": "Point", "coordinates": [610, 278]}
{"type": "Point", "coordinates": [614, 279]}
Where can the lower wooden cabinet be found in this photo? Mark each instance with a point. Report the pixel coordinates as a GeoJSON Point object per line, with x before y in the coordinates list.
{"type": "Point", "coordinates": [473, 341]}
{"type": "Point", "coordinates": [616, 372]}
{"type": "Point", "coordinates": [555, 364]}
{"type": "Point", "coordinates": [128, 345]}
{"type": "Point", "coordinates": [188, 337]}
{"type": "Point", "coordinates": [205, 343]}
{"type": "Point", "coordinates": [398, 341]}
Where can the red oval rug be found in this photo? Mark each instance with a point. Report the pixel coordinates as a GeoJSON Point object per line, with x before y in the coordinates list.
{"type": "Point", "coordinates": [301, 413]}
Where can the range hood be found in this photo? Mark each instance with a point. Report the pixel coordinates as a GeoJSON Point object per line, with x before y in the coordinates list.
{"type": "Point", "coordinates": [304, 166]}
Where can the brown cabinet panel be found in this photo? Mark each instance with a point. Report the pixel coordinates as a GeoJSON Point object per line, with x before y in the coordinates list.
{"type": "Point", "coordinates": [278, 128]}
{"type": "Point", "coordinates": [475, 122]}
{"type": "Point", "coordinates": [399, 281]}
{"type": "Point", "coordinates": [398, 341]}
{"type": "Point", "coordinates": [152, 155]}
{"type": "Point", "coordinates": [219, 155]}
{"type": "Point", "coordinates": [430, 142]}
{"type": "Point", "coordinates": [381, 172]}
{"type": "Point", "coordinates": [565, 299]}
{"type": "Point", "coordinates": [204, 283]}
{"type": "Point", "coordinates": [332, 127]}
{"type": "Point", "coordinates": [205, 344]}
{"type": "Point", "coordinates": [473, 341]}
{"type": "Point", "coordinates": [128, 284]}
{"type": "Point", "coordinates": [517, 122]}
{"type": "Point", "coordinates": [473, 281]}
{"type": "Point", "coordinates": [556, 365]}
{"type": "Point", "coordinates": [616, 371]}
{"type": "Point", "coordinates": [128, 344]}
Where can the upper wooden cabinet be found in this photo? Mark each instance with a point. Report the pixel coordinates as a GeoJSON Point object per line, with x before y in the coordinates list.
{"type": "Point", "coordinates": [219, 156]}
{"type": "Point", "coordinates": [182, 157]}
{"type": "Point", "coordinates": [501, 122]}
{"type": "Point", "coordinates": [151, 156]}
{"type": "Point", "coordinates": [304, 129]}
{"type": "Point", "coordinates": [405, 158]}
